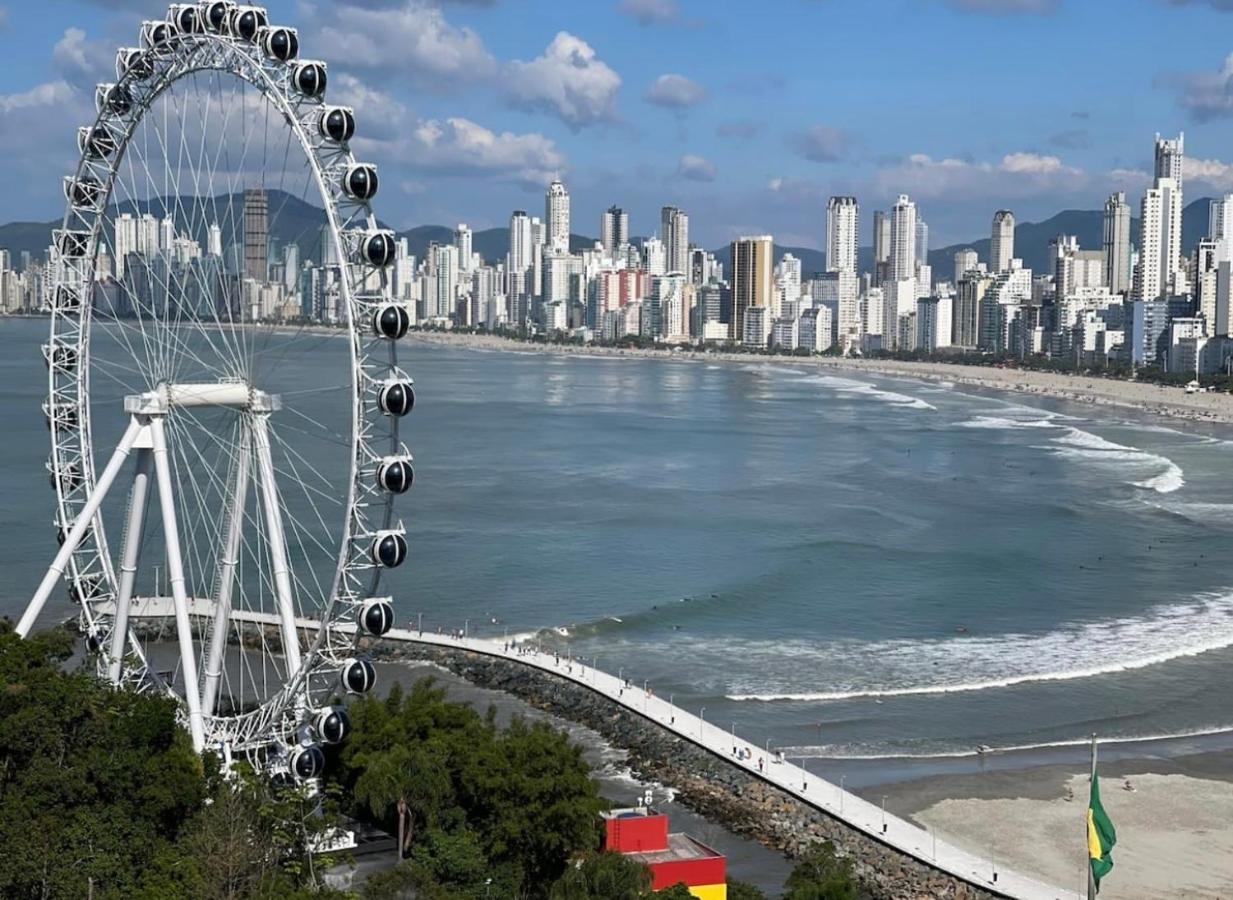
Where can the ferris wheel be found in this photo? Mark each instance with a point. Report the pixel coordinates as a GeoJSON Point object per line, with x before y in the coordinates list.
{"type": "Point", "coordinates": [224, 396]}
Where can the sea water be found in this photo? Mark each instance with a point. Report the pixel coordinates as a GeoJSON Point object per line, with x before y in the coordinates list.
{"type": "Point", "coordinates": [846, 566]}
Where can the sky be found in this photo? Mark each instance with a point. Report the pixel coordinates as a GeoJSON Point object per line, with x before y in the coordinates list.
{"type": "Point", "coordinates": [746, 115]}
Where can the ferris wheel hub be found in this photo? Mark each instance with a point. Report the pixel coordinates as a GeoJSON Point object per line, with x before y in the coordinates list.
{"type": "Point", "coordinates": [234, 395]}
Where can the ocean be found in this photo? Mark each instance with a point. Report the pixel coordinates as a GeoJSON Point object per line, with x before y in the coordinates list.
{"type": "Point", "coordinates": [880, 574]}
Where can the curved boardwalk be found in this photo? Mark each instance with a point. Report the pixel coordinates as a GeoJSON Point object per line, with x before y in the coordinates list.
{"type": "Point", "coordinates": [858, 813]}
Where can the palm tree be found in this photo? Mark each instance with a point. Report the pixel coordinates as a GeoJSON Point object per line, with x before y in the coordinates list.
{"type": "Point", "coordinates": [408, 781]}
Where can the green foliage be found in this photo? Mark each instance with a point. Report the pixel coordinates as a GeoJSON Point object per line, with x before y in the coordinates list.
{"type": "Point", "coordinates": [678, 891]}
{"type": "Point", "coordinates": [603, 876]}
{"type": "Point", "coordinates": [521, 797]}
{"type": "Point", "coordinates": [101, 795]}
{"type": "Point", "coordinates": [740, 890]}
{"type": "Point", "coordinates": [822, 875]}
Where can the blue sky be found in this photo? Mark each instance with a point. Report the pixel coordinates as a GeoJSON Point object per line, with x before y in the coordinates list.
{"type": "Point", "coordinates": [747, 115]}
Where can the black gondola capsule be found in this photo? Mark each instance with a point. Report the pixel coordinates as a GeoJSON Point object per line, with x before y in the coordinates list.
{"type": "Point", "coordinates": [337, 124]}
{"type": "Point", "coordinates": [396, 475]}
{"type": "Point", "coordinates": [187, 19]}
{"type": "Point", "coordinates": [360, 182]}
{"type": "Point", "coordinates": [282, 44]}
{"type": "Point", "coordinates": [332, 725]}
{"type": "Point", "coordinates": [216, 15]}
{"type": "Point", "coordinates": [376, 617]}
{"type": "Point", "coordinates": [247, 21]}
{"type": "Point", "coordinates": [309, 79]}
{"type": "Point", "coordinates": [134, 63]}
{"type": "Point", "coordinates": [358, 676]}
{"type": "Point", "coordinates": [308, 762]}
{"type": "Point", "coordinates": [379, 249]}
{"type": "Point", "coordinates": [396, 398]}
{"type": "Point", "coordinates": [391, 321]}
{"type": "Point", "coordinates": [389, 549]}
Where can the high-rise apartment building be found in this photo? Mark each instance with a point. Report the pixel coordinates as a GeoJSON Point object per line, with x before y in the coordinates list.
{"type": "Point", "coordinates": [1116, 244]}
{"type": "Point", "coordinates": [753, 282]}
{"type": "Point", "coordinates": [966, 260]}
{"type": "Point", "coordinates": [214, 240]}
{"type": "Point", "coordinates": [1002, 241]}
{"type": "Point", "coordinates": [881, 246]}
{"type": "Point", "coordinates": [922, 242]}
{"type": "Point", "coordinates": [674, 230]}
{"type": "Point", "coordinates": [1156, 272]}
{"type": "Point", "coordinates": [614, 230]}
{"type": "Point", "coordinates": [842, 234]}
{"type": "Point", "coordinates": [902, 258]}
{"type": "Point", "coordinates": [1170, 158]}
{"type": "Point", "coordinates": [1220, 218]}
{"type": "Point", "coordinates": [519, 267]}
{"type": "Point", "coordinates": [556, 217]}
{"type": "Point", "coordinates": [463, 241]}
{"type": "Point", "coordinates": [256, 234]}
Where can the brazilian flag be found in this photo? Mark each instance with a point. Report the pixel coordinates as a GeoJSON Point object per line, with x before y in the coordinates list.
{"type": "Point", "coordinates": [1101, 835]}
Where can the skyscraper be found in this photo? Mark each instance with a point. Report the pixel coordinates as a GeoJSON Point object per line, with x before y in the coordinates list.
{"type": "Point", "coordinates": [922, 242]}
{"type": "Point", "coordinates": [965, 261]}
{"type": "Point", "coordinates": [881, 246]}
{"type": "Point", "coordinates": [1170, 164]}
{"type": "Point", "coordinates": [556, 217]}
{"type": "Point", "coordinates": [214, 241]}
{"type": "Point", "coordinates": [1116, 244]}
{"type": "Point", "coordinates": [1170, 157]}
{"type": "Point", "coordinates": [519, 267]}
{"type": "Point", "coordinates": [1002, 241]}
{"type": "Point", "coordinates": [842, 234]}
{"type": "Point", "coordinates": [462, 240]}
{"type": "Point", "coordinates": [614, 230]}
{"type": "Point", "coordinates": [256, 234]}
{"type": "Point", "coordinates": [752, 281]}
{"type": "Point", "coordinates": [674, 229]}
{"type": "Point", "coordinates": [1155, 273]}
{"type": "Point", "coordinates": [1220, 218]}
{"type": "Point", "coordinates": [902, 258]}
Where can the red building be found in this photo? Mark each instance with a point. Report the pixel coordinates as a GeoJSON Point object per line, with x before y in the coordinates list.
{"type": "Point", "coordinates": [641, 833]}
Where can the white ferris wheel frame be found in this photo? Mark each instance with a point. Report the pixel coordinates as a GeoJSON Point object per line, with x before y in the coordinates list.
{"type": "Point", "coordinates": [365, 289]}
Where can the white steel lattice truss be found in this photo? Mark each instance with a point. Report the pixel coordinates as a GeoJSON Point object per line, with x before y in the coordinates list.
{"type": "Point", "coordinates": [218, 42]}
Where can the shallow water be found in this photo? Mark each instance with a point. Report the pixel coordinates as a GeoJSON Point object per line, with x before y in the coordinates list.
{"type": "Point", "coordinates": [848, 567]}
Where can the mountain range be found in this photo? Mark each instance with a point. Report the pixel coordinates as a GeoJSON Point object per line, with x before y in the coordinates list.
{"type": "Point", "coordinates": [300, 222]}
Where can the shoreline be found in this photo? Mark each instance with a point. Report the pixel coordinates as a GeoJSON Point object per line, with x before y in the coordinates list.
{"type": "Point", "coordinates": [1158, 400]}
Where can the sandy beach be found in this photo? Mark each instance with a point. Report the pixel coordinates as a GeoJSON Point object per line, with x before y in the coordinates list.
{"type": "Point", "coordinates": [1170, 402]}
{"type": "Point", "coordinates": [1175, 829]}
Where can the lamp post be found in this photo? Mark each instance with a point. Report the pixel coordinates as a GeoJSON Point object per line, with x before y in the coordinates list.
{"type": "Point", "coordinates": [419, 623]}
{"type": "Point", "coordinates": [701, 720]}
{"type": "Point", "coordinates": [466, 627]}
{"type": "Point", "coordinates": [884, 814]}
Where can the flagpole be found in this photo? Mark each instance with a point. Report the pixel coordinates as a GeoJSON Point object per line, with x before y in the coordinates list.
{"type": "Point", "coordinates": [1091, 876]}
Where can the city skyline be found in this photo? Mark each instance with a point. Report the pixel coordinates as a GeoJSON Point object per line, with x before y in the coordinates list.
{"type": "Point", "coordinates": [484, 105]}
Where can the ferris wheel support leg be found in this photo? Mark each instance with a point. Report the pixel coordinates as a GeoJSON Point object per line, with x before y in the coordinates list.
{"type": "Point", "coordinates": [138, 495]}
{"type": "Point", "coordinates": [179, 592]}
{"type": "Point", "coordinates": [226, 582]}
{"type": "Point", "coordinates": [278, 545]}
{"type": "Point", "coordinates": [56, 570]}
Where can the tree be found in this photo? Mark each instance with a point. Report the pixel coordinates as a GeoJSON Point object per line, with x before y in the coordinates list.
{"type": "Point", "coordinates": [408, 781]}
{"type": "Point", "coordinates": [678, 891]}
{"type": "Point", "coordinates": [740, 890]}
{"type": "Point", "coordinates": [822, 875]}
{"type": "Point", "coordinates": [603, 876]}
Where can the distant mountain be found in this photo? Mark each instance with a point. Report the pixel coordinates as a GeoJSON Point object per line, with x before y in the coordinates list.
{"type": "Point", "coordinates": [1032, 238]}
{"type": "Point", "coordinates": [295, 221]}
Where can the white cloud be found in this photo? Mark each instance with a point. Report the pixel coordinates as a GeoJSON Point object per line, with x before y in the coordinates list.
{"type": "Point", "coordinates": [459, 145]}
{"type": "Point", "coordinates": [51, 94]}
{"type": "Point", "coordinates": [650, 12]}
{"type": "Point", "coordinates": [696, 168]}
{"type": "Point", "coordinates": [415, 39]}
{"type": "Point", "coordinates": [1016, 174]}
{"type": "Point", "coordinates": [1034, 164]}
{"type": "Point", "coordinates": [1207, 95]}
{"type": "Point", "coordinates": [675, 91]}
{"type": "Point", "coordinates": [1213, 172]}
{"type": "Point", "coordinates": [82, 62]}
{"type": "Point", "coordinates": [569, 79]}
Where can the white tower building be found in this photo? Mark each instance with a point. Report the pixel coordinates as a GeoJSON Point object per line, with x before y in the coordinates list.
{"type": "Point", "coordinates": [842, 229]}
{"type": "Point", "coordinates": [1116, 244]}
{"type": "Point", "coordinates": [614, 230]}
{"type": "Point", "coordinates": [1002, 241]}
{"type": "Point", "coordinates": [674, 230]}
{"type": "Point", "coordinates": [556, 217]}
{"type": "Point", "coordinates": [1220, 218]}
{"type": "Point", "coordinates": [966, 260]}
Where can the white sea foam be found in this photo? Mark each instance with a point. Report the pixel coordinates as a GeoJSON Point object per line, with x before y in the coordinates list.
{"type": "Point", "coordinates": [1083, 445]}
{"type": "Point", "coordinates": [909, 668]}
{"type": "Point", "coordinates": [861, 388]}
{"type": "Point", "coordinates": [1008, 424]}
{"type": "Point", "coordinates": [833, 752]}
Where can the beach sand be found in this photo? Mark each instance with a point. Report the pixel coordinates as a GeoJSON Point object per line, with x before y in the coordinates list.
{"type": "Point", "coordinates": [1171, 402]}
{"type": "Point", "coordinates": [1174, 830]}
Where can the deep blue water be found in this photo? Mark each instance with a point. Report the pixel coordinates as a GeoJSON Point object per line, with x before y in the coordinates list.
{"type": "Point", "coordinates": [847, 566]}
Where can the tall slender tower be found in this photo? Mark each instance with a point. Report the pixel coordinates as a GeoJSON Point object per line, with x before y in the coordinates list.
{"type": "Point", "coordinates": [753, 280]}
{"type": "Point", "coordinates": [1116, 244]}
{"type": "Point", "coordinates": [842, 231]}
{"type": "Point", "coordinates": [674, 229]}
{"type": "Point", "coordinates": [1170, 164]}
{"type": "Point", "coordinates": [902, 258]}
{"type": "Point", "coordinates": [1002, 241]}
{"type": "Point", "coordinates": [614, 230]}
{"type": "Point", "coordinates": [922, 242]}
{"type": "Point", "coordinates": [256, 234]}
{"type": "Point", "coordinates": [519, 267]}
{"type": "Point", "coordinates": [462, 240]}
{"type": "Point", "coordinates": [556, 217]}
{"type": "Point", "coordinates": [1220, 218]}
